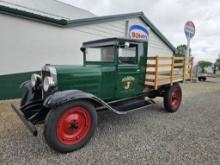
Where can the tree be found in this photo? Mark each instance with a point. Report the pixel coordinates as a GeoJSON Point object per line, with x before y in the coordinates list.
{"type": "Point", "coordinates": [217, 63]}
{"type": "Point", "coordinates": [181, 50]}
{"type": "Point", "coordinates": [204, 64]}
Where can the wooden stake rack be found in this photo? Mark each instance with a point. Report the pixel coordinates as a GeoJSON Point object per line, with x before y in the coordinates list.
{"type": "Point", "coordinates": [167, 70]}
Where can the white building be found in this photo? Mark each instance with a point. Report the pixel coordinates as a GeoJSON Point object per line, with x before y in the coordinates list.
{"type": "Point", "coordinates": [36, 32]}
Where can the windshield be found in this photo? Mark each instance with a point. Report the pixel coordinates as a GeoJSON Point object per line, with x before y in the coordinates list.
{"type": "Point", "coordinates": [103, 54]}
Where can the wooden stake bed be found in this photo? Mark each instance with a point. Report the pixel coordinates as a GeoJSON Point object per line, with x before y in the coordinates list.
{"type": "Point", "coordinates": [167, 70]}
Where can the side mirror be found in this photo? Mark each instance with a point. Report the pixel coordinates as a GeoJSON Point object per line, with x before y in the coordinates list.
{"type": "Point", "coordinates": [82, 49]}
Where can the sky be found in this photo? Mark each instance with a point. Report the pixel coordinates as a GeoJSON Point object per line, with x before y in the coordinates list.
{"type": "Point", "coordinates": [169, 16]}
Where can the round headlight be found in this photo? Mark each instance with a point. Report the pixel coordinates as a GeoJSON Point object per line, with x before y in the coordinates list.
{"type": "Point", "coordinates": [52, 71]}
{"type": "Point", "coordinates": [48, 82]}
{"type": "Point", "coordinates": [34, 79]}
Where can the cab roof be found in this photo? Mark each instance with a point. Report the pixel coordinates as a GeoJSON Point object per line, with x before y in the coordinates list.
{"type": "Point", "coordinates": [111, 41]}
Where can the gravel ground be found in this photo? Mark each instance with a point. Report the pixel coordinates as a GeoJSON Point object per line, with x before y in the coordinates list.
{"type": "Point", "coordinates": [149, 136]}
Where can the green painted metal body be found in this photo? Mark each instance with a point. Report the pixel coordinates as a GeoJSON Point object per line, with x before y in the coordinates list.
{"type": "Point", "coordinates": [107, 80]}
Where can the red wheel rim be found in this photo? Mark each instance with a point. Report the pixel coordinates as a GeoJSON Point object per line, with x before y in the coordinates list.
{"type": "Point", "coordinates": [176, 98]}
{"type": "Point", "coordinates": [73, 125]}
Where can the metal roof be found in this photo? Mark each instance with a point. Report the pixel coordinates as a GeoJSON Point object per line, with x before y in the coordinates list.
{"type": "Point", "coordinates": [50, 8]}
{"type": "Point", "coordinates": [62, 21]}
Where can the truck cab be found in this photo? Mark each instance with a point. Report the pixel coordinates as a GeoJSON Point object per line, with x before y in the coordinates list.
{"type": "Point", "coordinates": [112, 69]}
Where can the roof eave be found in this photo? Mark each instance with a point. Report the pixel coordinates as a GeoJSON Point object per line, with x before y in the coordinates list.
{"type": "Point", "coordinates": [32, 16]}
{"type": "Point", "coordinates": [100, 19]}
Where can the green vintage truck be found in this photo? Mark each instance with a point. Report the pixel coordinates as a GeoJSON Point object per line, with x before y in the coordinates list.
{"type": "Point", "coordinates": [66, 98]}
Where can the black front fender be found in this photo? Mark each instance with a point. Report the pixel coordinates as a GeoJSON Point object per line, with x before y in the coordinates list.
{"type": "Point", "coordinates": [62, 97]}
{"type": "Point", "coordinates": [30, 94]}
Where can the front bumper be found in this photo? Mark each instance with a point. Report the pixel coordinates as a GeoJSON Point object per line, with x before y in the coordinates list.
{"type": "Point", "coordinates": [27, 123]}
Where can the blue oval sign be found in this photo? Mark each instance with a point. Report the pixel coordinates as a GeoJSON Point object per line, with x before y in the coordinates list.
{"type": "Point", "coordinates": [138, 32]}
{"type": "Point", "coordinates": [189, 29]}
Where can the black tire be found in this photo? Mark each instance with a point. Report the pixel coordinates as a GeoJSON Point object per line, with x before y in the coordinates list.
{"type": "Point", "coordinates": [172, 98]}
{"type": "Point", "coordinates": [51, 126]}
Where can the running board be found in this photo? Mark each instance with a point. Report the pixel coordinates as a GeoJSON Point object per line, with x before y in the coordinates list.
{"type": "Point", "coordinates": [132, 105]}
{"type": "Point", "coordinates": [123, 107]}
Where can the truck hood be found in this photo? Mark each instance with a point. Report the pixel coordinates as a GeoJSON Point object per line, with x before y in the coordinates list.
{"type": "Point", "coordinates": [85, 78]}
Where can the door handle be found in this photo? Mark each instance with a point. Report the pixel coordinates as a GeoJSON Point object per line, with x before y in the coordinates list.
{"type": "Point", "coordinates": [138, 70]}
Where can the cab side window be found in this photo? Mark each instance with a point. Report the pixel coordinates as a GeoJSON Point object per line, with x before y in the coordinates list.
{"type": "Point", "coordinates": [128, 55]}
{"type": "Point", "coordinates": [100, 54]}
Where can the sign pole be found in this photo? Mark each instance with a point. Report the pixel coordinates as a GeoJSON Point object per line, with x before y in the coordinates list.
{"type": "Point", "coordinates": [187, 55]}
{"type": "Point", "coordinates": [189, 30]}
{"type": "Point", "coordinates": [188, 48]}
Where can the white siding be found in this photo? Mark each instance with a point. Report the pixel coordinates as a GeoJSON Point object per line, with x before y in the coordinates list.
{"type": "Point", "coordinates": [27, 45]}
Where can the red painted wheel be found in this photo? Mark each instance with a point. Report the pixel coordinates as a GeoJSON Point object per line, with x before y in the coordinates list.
{"type": "Point", "coordinates": [71, 126]}
{"type": "Point", "coordinates": [176, 98]}
{"type": "Point", "coordinates": [172, 98]}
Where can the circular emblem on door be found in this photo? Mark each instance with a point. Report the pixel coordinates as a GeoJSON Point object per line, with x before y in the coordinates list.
{"type": "Point", "coordinates": [128, 82]}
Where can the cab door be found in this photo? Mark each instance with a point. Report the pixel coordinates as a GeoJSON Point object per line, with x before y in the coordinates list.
{"type": "Point", "coordinates": [129, 72]}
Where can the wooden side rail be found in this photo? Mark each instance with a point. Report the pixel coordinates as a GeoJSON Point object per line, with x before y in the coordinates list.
{"type": "Point", "coordinates": [167, 70]}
